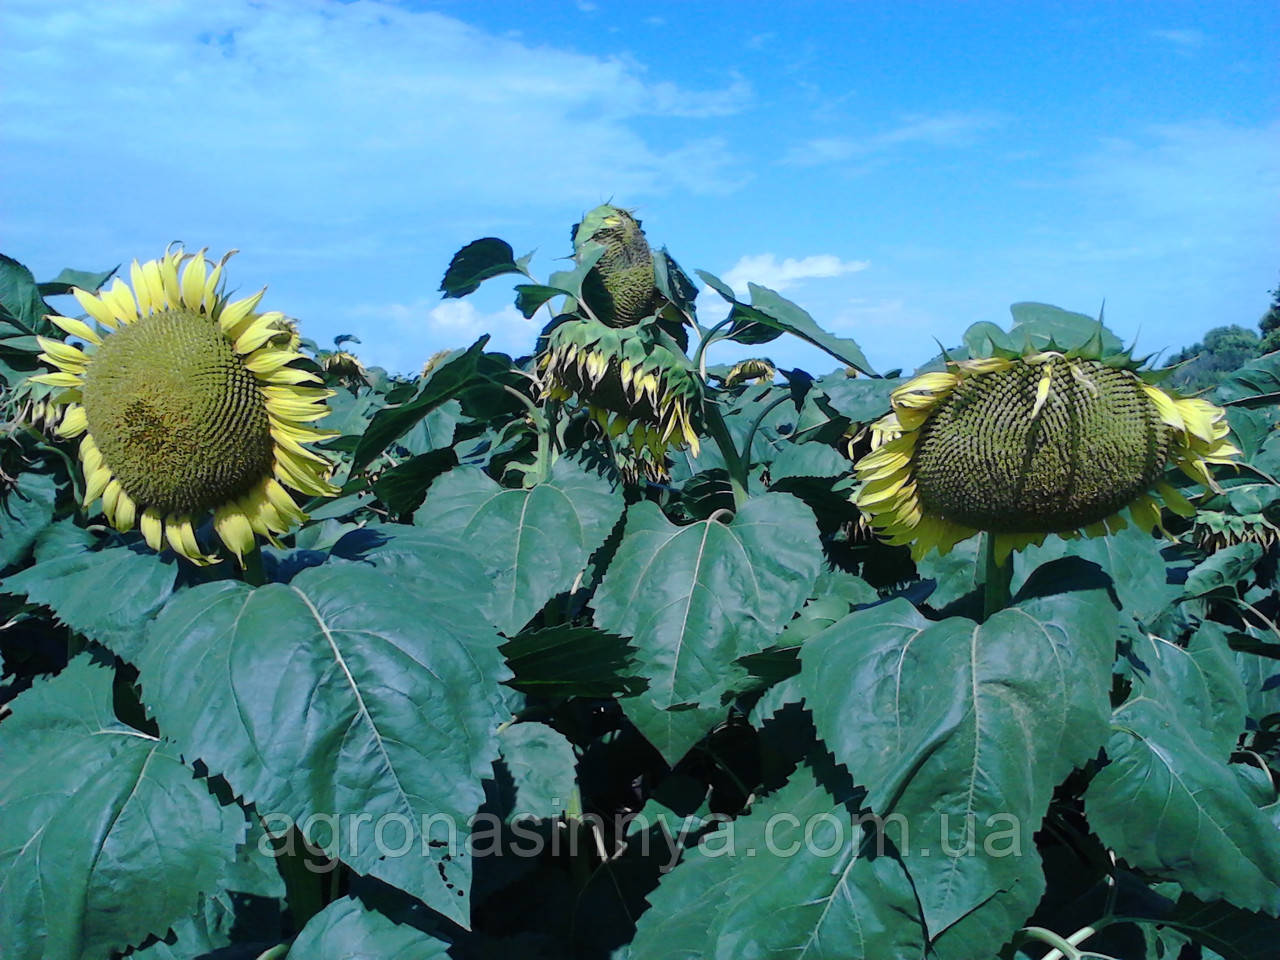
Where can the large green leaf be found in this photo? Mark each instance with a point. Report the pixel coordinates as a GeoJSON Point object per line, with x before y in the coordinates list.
{"type": "Point", "coordinates": [351, 693]}
{"type": "Point", "coordinates": [1168, 802]}
{"type": "Point", "coordinates": [533, 542]}
{"type": "Point", "coordinates": [106, 836]}
{"type": "Point", "coordinates": [569, 661]}
{"type": "Point", "coordinates": [107, 595]}
{"type": "Point", "coordinates": [1044, 324]}
{"type": "Point", "coordinates": [698, 597]}
{"type": "Point", "coordinates": [1131, 558]}
{"type": "Point", "coordinates": [20, 297]}
{"type": "Point", "coordinates": [25, 512]}
{"type": "Point", "coordinates": [393, 422]}
{"type": "Point", "coordinates": [477, 262]}
{"type": "Point", "coordinates": [788, 880]}
{"type": "Point", "coordinates": [769, 309]}
{"type": "Point", "coordinates": [1222, 571]}
{"type": "Point", "coordinates": [542, 767]}
{"type": "Point", "coordinates": [67, 278]}
{"type": "Point", "coordinates": [347, 930]}
{"type": "Point", "coordinates": [1257, 383]}
{"type": "Point", "coordinates": [960, 731]}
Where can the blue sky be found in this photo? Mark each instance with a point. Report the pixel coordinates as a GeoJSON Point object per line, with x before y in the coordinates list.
{"type": "Point", "coordinates": [899, 169]}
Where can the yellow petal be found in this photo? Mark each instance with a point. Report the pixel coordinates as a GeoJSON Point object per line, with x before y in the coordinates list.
{"type": "Point", "coordinates": [154, 284]}
{"type": "Point", "coordinates": [140, 288]}
{"type": "Point", "coordinates": [95, 482]}
{"type": "Point", "coordinates": [95, 307]}
{"type": "Point", "coordinates": [234, 313]}
{"type": "Point", "coordinates": [193, 282]}
{"type": "Point", "coordinates": [77, 328]}
{"type": "Point", "coordinates": [74, 422]}
{"type": "Point", "coordinates": [152, 521]}
{"type": "Point", "coordinates": [120, 301]}
{"type": "Point", "coordinates": [234, 529]}
{"type": "Point", "coordinates": [59, 379]}
{"type": "Point", "coordinates": [126, 512]}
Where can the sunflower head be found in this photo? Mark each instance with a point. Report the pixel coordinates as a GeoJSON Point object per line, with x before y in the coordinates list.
{"type": "Point", "coordinates": [1026, 445]}
{"type": "Point", "coordinates": [755, 370]}
{"type": "Point", "coordinates": [344, 367]}
{"type": "Point", "coordinates": [186, 404]}
{"type": "Point", "coordinates": [633, 385]}
{"type": "Point", "coordinates": [619, 289]}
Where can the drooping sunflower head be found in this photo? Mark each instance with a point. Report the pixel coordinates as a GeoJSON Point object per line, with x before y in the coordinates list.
{"type": "Point", "coordinates": [633, 385]}
{"type": "Point", "coordinates": [344, 367]}
{"type": "Point", "coordinates": [186, 404]}
{"type": "Point", "coordinates": [1030, 445]}
{"type": "Point", "coordinates": [619, 289]}
{"type": "Point", "coordinates": [755, 370]}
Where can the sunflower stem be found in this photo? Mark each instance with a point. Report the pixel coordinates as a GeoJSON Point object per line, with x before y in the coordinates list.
{"type": "Point", "coordinates": [997, 578]}
{"type": "Point", "coordinates": [254, 574]}
{"type": "Point", "coordinates": [728, 450]}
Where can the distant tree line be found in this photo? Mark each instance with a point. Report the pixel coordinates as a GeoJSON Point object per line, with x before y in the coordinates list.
{"type": "Point", "coordinates": [1225, 349]}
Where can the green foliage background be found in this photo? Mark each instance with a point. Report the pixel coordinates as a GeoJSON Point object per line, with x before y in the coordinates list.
{"type": "Point", "coordinates": [659, 685]}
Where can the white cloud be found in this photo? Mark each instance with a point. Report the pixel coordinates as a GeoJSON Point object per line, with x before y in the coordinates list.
{"type": "Point", "coordinates": [1184, 40]}
{"type": "Point", "coordinates": [767, 270]}
{"type": "Point", "coordinates": [328, 120]}
{"type": "Point", "coordinates": [949, 129]}
{"type": "Point", "coordinates": [400, 336]}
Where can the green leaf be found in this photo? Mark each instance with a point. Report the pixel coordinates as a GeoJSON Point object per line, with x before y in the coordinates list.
{"type": "Point", "coordinates": [1045, 324]}
{"type": "Point", "coordinates": [531, 296]}
{"type": "Point", "coordinates": [962, 731]}
{"type": "Point", "coordinates": [543, 767]}
{"type": "Point", "coordinates": [808, 460]}
{"type": "Point", "coordinates": [382, 692]}
{"type": "Point", "coordinates": [1255, 384]}
{"type": "Point", "coordinates": [787, 880]}
{"type": "Point", "coordinates": [1222, 571]}
{"type": "Point", "coordinates": [106, 836]}
{"type": "Point", "coordinates": [20, 298]}
{"type": "Point", "coordinates": [348, 930]}
{"type": "Point", "coordinates": [858, 399]}
{"type": "Point", "coordinates": [68, 278]}
{"type": "Point", "coordinates": [107, 595]}
{"type": "Point", "coordinates": [1223, 704]}
{"type": "Point", "coordinates": [698, 597]}
{"type": "Point", "coordinates": [25, 512]}
{"type": "Point", "coordinates": [675, 730]}
{"type": "Point", "coordinates": [533, 542]}
{"type": "Point", "coordinates": [1232, 933]}
{"type": "Point", "coordinates": [1131, 558]}
{"type": "Point", "coordinates": [393, 422]}
{"type": "Point", "coordinates": [569, 661]}
{"type": "Point", "coordinates": [955, 575]}
{"type": "Point", "coordinates": [477, 262]}
{"type": "Point", "coordinates": [769, 309]}
{"type": "Point", "coordinates": [1168, 803]}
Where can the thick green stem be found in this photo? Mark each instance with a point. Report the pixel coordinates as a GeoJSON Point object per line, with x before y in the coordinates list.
{"type": "Point", "coordinates": [304, 887]}
{"type": "Point", "coordinates": [708, 338]}
{"type": "Point", "coordinates": [996, 578]}
{"type": "Point", "coordinates": [254, 575]}
{"type": "Point", "coordinates": [728, 450]}
{"type": "Point", "coordinates": [751, 434]}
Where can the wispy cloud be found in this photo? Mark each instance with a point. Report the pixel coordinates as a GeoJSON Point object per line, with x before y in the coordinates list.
{"type": "Point", "coordinates": [397, 336]}
{"type": "Point", "coordinates": [207, 115]}
{"type": "Point", "coordinates": [1183, 40]}
{"type": "Point", "coordinates": [767, 270]}
{"type": "Point", "coordinates": [950, 129]}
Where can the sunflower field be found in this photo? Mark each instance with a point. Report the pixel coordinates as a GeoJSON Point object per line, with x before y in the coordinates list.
{"type": "Point", "coordinates": [617, 650]}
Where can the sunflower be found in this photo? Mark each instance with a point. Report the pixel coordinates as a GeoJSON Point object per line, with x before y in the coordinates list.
{"type": "Point", "coordinates": [1024, 446]}
{"type": "Point", "coordinates": [632, 384]}
{"type": "Point", "coordinates": [186, 403]}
